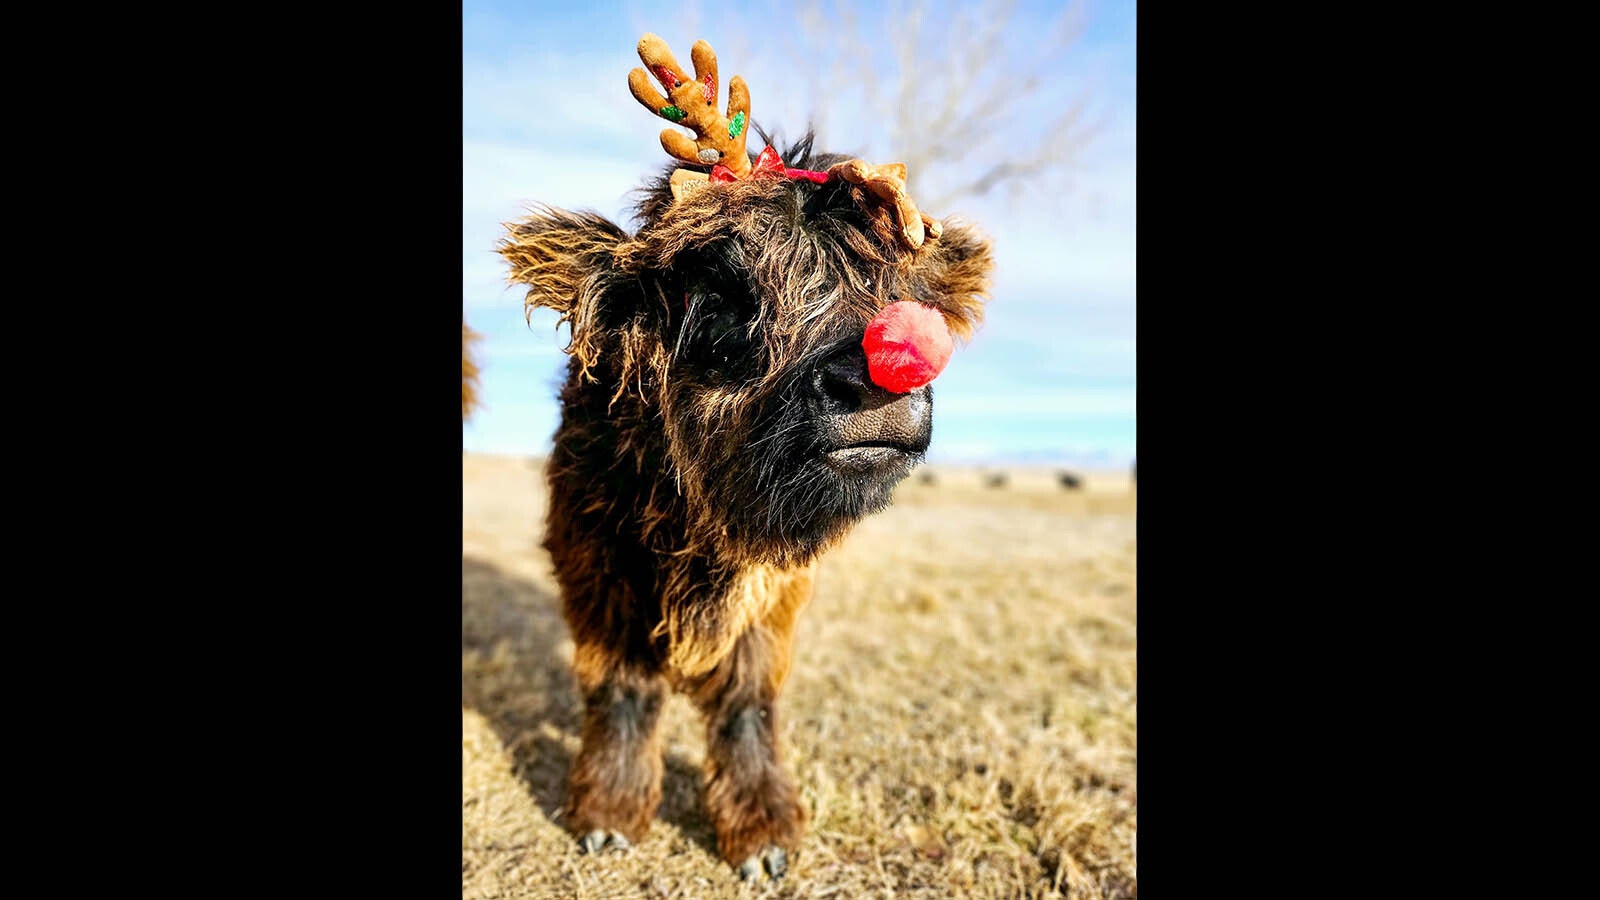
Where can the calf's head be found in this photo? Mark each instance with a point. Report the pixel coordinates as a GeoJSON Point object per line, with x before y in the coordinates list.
{"type": "Point", "coordinates": [731, 327]}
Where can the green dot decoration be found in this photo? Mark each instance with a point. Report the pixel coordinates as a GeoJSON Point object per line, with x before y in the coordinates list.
{"type": "Point", "coordinates": [736, 127]}
{"type": "Point", "coordinates": [673, 113]}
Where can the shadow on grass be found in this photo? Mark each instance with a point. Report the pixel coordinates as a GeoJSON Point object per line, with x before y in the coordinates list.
{"type": "Point", "coordinates": [527, 693]}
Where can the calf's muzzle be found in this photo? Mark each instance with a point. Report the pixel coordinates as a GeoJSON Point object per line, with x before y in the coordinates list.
{"type": "Point", "coordinates": [855, 413]}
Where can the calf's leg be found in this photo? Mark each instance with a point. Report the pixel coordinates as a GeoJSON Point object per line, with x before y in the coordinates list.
{"type": "Point", "coordinates": [753, 803]}
{"type": "Point", "coordinates": [615, 784]}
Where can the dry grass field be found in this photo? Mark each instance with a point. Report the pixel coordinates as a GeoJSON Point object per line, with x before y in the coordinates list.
{"type": "Point", "coordinates": [960, 717]}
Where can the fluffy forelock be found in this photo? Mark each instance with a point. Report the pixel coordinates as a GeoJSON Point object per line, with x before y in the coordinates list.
{"type": "Point", "coordinates": [809, 251]}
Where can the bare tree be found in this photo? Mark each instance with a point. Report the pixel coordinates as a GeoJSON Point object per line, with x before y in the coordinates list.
{"type": "Point", "coordinates": [975, 102]}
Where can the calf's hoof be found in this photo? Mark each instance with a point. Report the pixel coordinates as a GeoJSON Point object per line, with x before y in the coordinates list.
{"type": "Point", "coordinates": [773, 859]}
{"type": "Point", "coordinates": [599, 839]}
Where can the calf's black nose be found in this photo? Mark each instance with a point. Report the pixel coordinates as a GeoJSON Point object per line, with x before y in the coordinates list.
{"type": "Point", "coordinates": [853, 410]}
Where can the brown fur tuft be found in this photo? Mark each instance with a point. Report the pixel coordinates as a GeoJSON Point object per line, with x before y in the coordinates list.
{"type": "Point", "coordinates": [469, 373]}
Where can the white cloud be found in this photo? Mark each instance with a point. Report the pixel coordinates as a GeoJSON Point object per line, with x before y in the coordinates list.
{"type": "Point", "coordinates": [499, 181]}
{"type": "Point", "coordinates": [1039, 401]}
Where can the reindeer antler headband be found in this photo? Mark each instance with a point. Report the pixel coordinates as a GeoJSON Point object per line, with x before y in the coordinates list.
{"type": "Point", "coordinates": [907, 344]}
{"type": "Point", "coordinates": [719, 140]}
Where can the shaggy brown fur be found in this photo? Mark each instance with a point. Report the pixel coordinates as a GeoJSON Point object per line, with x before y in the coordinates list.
{"type": "Point", "coordinates": [689, 497]}
{"type": "Point", "coordinates": [469, 373]}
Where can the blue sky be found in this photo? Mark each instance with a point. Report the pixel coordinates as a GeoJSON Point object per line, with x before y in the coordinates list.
{"type": "Point", "coordinates": [547, 117]}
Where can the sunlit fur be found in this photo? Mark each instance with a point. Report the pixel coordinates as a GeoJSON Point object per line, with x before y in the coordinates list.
{"type": "Point", "coordinates": [689, 500]}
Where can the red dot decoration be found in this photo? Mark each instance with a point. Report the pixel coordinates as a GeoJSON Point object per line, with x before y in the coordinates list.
{"type": "Point", "coordinates": [907, 346]}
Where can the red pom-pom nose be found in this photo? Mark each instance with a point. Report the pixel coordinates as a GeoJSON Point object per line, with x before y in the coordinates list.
{"type": "Point", "coordinates": [907, 346]}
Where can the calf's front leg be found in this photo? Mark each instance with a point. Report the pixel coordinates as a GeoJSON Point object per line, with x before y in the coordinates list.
{"type": "Point", "coordinates": [615, 784]}
{"type": "Point", "coordinates": [753, 803]}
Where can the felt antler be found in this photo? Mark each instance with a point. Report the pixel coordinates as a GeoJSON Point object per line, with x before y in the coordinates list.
{"type": "Point", "coordinates": [883, 194]}
{"type": "Point", "coordinates": [692, 103]}
{"type": "Point", "coordinates": [719, 142]}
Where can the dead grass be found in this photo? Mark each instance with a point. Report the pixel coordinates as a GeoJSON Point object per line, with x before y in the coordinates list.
{"type": "Point", "coordinates": [961, 716]}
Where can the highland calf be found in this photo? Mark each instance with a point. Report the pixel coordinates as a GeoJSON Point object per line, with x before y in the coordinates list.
{"type": "Point", "coordinates": [722, 425]}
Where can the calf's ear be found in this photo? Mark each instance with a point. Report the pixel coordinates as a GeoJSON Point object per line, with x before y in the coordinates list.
{"type": "Point", "coordinates": [956, 270]}
{"type": "Point", "coordinates": [567, 261]}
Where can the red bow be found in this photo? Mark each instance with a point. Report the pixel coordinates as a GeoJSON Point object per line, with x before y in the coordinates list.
{"type": "Point", "coordinates": [767, 163]}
